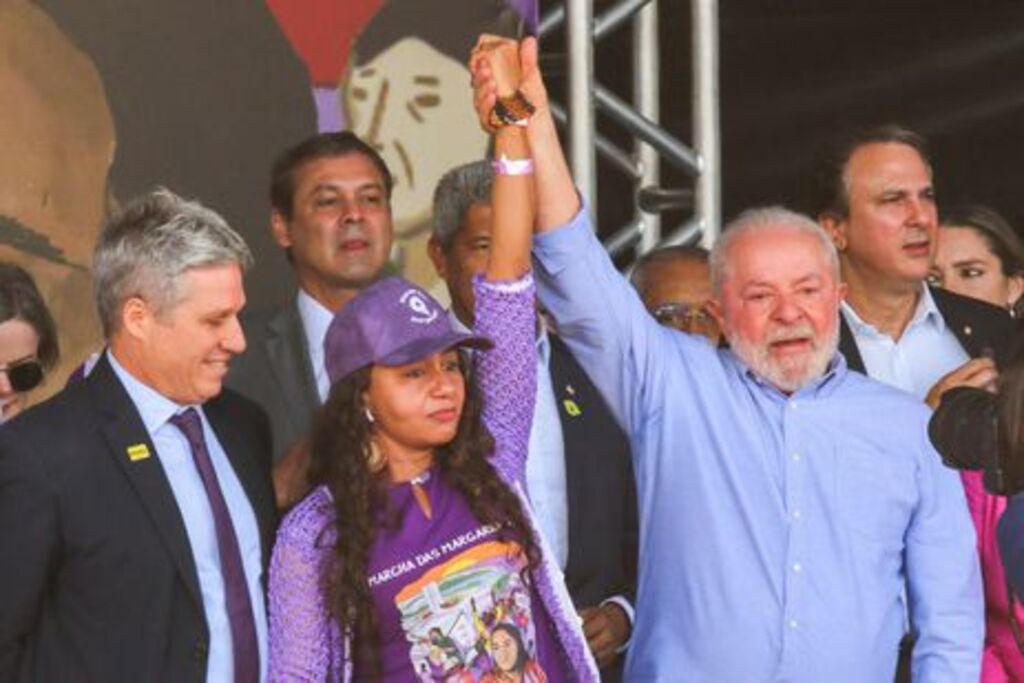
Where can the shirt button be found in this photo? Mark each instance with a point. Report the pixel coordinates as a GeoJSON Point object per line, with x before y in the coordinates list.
{"type": "Point", "coordinates": [797, 567]}
{"type": "Point", "coordinates": [793, 623]}
{"type": "Point", "coordinates": [796, 514]}
{"type": "Point", "coordinates": [796, 457]}
{"type": "Point", "coordinates": [794, 405]}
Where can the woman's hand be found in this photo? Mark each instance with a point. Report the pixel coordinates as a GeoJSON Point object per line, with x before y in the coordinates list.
{"type": "Point", "coordinates": [500, 67]}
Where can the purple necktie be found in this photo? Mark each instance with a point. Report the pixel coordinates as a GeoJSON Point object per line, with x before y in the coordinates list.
{"type": "Point", "coordinates": [236, 588]}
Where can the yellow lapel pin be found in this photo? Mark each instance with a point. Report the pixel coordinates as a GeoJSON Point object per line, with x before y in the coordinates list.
{"type": "Point", "coordinates": [139, 451]}
{"type": "Point", "coordinates": [571, 407]}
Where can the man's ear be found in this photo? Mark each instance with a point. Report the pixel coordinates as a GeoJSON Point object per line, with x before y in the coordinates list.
{"type": "Point", "coordinates": [714, 309]}
{"type": "Point", "coordinates": [436, 253]}
{"type": "Point", "coordinates": [136, 317]}
{"type": "Point", "coordinates": [279, 229]}
{"type": "Point", "coordinates": [836, 226]}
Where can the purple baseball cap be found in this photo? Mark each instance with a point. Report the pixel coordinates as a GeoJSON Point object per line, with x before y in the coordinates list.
{"type": "Point", "coordinates": [391, 322]}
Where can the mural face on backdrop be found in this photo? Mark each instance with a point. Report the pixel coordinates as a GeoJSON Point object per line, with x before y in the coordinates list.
{"type": "Point", "coordinates": [407, 93]}
{"type": "Point", "coordinates": [73, 73]}
{"type": "Point", "coordinates": [403, 87]}
{"type": "Point", "coordinates": [413, 105]}
{"type": "Point", "coordinates": [57, 137]}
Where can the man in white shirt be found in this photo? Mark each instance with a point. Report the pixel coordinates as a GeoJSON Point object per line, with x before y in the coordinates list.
{"type": "Point", "coordinates": [876, 198]}
{"type": "Point", "coordinates": [331, 214]}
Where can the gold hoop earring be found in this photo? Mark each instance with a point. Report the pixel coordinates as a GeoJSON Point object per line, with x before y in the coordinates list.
{"type": "Point", "coordinates": [376, 460]}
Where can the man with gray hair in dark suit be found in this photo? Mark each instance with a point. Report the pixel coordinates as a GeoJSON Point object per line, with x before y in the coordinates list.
{"type": "Point", "coordinates": [136, 509]}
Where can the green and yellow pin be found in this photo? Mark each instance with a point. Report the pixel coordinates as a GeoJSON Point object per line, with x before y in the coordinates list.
{"type": "Point", "coordinates": [139, 451]}
{"type": "Point", "coordinates": [572, 409]}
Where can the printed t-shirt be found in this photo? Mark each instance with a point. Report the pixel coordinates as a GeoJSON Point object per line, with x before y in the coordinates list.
{"type": "Point", "coordinates": [451, 601]}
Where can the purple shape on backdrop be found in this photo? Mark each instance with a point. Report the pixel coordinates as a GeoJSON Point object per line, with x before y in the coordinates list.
{"type": "Point", "coordinates": [329, 117]}
{"type": "Point", "coordinates": [527, 10]}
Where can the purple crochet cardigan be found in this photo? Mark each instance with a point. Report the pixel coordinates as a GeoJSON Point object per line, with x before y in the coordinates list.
{"type": "Point", "coordinates": [305, 641]}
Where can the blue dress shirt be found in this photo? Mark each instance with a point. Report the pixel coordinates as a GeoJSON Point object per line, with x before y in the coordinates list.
{"type": "Point", "coordinates": [176, 459]}
{"type": "Point", "coordinates": [776, 532]}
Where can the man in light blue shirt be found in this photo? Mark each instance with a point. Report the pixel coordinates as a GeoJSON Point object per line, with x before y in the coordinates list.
{"type": "Point", "coordinates": [784, 501]}
{"type": "Point", "coordinates": [780, 514]}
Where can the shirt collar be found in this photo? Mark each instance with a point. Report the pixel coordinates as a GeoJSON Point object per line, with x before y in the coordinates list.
{"type": "Point", "coordinates": [316, 318]}
{"type": "Point", "coordinates": [154, 408]}
{"type": "Point", "coordinates": [926, 313]}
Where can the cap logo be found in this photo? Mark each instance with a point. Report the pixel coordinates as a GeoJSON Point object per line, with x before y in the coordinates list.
{"type": "Point", "coordinates": [422, 312]}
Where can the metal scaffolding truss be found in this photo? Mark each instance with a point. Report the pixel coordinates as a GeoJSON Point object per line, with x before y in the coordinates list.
{"type": "Point", "coordinates": [653, 144]}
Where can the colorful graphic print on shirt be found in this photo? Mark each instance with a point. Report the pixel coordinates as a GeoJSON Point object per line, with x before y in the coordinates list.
{"type": "Point", "coordinates": [469, 618]}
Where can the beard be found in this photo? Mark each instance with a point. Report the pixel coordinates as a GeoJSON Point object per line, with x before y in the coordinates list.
{"type": "Point", "coordinates": [792, 372]}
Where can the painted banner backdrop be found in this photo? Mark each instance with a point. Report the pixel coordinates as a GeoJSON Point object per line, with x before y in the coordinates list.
{"type": "Point", "coordinates": [106, 99]}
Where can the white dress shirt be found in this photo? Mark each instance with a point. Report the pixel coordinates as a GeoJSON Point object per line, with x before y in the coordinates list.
{"type": "Point", "coordinates": [316, 318]}
{"type": "Point", "coordinates": [925, 352]}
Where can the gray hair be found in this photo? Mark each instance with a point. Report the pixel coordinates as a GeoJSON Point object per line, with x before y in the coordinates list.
{"type": "Point", "coordinates": [764, 220]}
{"type": "Point", "coordinates": [149, 243]}
{"type": "Point", "coordinates": [459, 189]}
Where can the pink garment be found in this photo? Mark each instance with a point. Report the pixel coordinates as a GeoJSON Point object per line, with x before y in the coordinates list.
{"type": "Point", "coordinates": [1002, 660]}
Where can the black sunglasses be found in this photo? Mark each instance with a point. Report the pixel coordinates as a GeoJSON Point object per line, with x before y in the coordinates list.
{"type": "Point", "coordinates": [24, 375]}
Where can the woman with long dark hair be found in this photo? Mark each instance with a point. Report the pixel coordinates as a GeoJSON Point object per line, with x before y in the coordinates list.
{"type": "Point", "coordinates": [417, 541]}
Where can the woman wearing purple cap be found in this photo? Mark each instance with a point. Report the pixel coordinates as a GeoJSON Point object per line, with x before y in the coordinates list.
{"type": "Point", "coordinates": [416, 555]}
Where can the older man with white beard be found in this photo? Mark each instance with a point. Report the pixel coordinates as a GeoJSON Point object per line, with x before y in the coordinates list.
{"type": "Point", "coordinates": [784, 501]}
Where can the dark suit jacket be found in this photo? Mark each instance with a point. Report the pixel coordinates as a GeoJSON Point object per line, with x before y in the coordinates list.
{"type": "Point", "coordinates": [1011, 543]}
{"type": "Point", "coordinates": [98, 579]}
{"type": "Point", "coordinates": [276, 373]}
{"type": "Point", "coordinates": [981, 328]}
{"type": "Point", "coordinates": [601, 490]}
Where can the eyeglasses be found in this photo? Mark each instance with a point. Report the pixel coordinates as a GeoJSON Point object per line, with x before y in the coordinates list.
{"type": "Point", "coordinates": [24, 375]}
{"type": "Point", "coordinates": [682, 316]}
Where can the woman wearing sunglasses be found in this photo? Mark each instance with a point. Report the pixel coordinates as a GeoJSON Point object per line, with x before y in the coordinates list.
{"type": "Point", "coordinates": [416, 549]}
{"type": "Point", "coordinates": [28, 339]}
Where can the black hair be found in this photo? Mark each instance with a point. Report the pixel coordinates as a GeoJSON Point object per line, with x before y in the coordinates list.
{"type": "Point", "coordinates": [321, 146]}
{"type": "Point", "coordinates": [400, 19]}
{"type": "Point", "coordinates": [829, 193]}
{"type": "Point", "coordinates": [20, 300]}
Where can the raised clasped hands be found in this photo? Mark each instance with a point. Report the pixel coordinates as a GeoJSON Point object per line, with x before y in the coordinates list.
{"type": "Point", "coordinates": [501, 66]}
